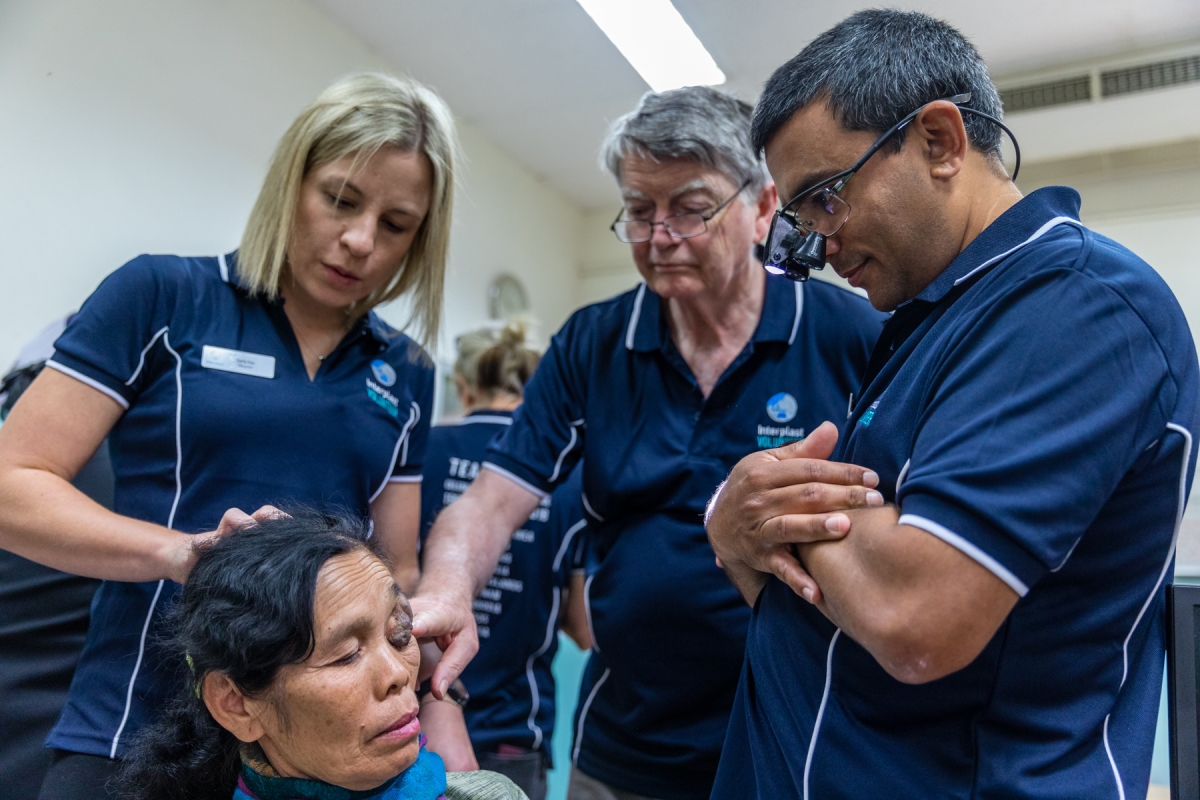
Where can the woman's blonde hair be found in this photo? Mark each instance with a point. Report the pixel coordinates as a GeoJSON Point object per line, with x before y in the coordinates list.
{"type": "Point", "coordinates": [356, 117]}
{"type": "Point", "coordinates": [490, 361]}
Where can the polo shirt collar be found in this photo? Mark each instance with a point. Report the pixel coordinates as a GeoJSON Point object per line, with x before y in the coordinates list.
{"type": "Point", "coordinates": [380, 330]}
{"type": "Point", "coordinates": [1032, 216]}
{"type": "Point", "coordinates": [783, 304]}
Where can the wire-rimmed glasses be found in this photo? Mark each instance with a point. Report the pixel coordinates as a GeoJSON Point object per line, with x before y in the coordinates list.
{"type": "Point", "coordinates": [679, 226]}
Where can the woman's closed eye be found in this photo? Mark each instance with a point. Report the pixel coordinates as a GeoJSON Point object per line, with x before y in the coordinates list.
{"type": "Point", "coordinates": [348, 658]}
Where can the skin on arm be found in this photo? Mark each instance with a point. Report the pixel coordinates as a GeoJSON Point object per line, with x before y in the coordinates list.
{"type": "Point", "coordinates": [573, 620]}
{"type": "Point", "coordinates": [460, 555]}
{"type": "Point", "coordinates": [920, 606]}
{"type": "Point", "coordinates": [743, 517]}
{"type": "Point", "coordinates": [445, 727]}
{"type": "Point", "coordinates": [396, 513]}
{"type": "Point", "coordinates": [50, 434]}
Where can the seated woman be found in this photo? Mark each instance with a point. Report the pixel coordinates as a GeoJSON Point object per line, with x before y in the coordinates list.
{"type": "Point", "coordinates": [303, 678]}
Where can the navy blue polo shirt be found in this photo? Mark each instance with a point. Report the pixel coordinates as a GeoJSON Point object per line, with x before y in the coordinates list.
{"type": "Point", "coordinates": [1037, 413]}
{"type": "Point", "coordinates": [509, 680]}
{"type": "Point", "coordinates": [669, 627]}
{"type": "Point", "coordinates": [220, 413]}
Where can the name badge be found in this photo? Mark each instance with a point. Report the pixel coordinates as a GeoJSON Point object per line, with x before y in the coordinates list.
{"type": "Point", "coordinates": [238, 361]}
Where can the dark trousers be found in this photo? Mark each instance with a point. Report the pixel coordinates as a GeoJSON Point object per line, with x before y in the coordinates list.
{"type": "Point", "coordinates": [43, 623]}
{"type": "Point", "coordinates": [77, 776]}
{"type": "Point", "coordinates": [527, 770]}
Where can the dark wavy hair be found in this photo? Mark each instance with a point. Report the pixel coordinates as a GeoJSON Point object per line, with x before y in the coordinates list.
{"type": "Point", "coordinates": [246, 611]}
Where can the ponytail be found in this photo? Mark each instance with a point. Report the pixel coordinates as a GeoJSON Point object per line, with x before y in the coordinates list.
{"type": "Point", "coordinates": [509, 364]}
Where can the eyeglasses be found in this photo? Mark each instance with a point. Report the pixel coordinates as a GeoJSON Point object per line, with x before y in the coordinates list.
{"type": "Point", "coordinates": [820, 208]}
{"type": "Point", "coordinates": [679, 226]}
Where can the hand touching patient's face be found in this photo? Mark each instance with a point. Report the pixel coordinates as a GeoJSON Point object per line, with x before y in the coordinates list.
{"type": "Point", "coordinates": [348, 714]}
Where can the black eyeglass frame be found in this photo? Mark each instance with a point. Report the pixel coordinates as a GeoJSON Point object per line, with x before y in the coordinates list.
{"type": "Point", "coordinates": [663, 222]}
{"type": "Point", "coordinates": [837, 182]}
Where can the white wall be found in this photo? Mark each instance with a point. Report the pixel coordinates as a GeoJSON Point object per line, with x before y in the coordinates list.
{"type": "Point", "coordinates": [135, 126]}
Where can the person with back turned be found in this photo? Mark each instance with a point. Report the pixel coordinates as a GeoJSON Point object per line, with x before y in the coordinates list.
{"type": "Point", "coordinates": [967, 600]}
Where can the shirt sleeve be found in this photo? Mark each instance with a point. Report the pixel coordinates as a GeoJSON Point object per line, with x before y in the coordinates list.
{"type": "Point", "coordinates": [1034, 416]}
{"type": "Point", "coordinates": [545, 441]}
{"type": "Point", "coordinates": [412, 450]}
{"type": "Point", "coordinates": [108, 343]}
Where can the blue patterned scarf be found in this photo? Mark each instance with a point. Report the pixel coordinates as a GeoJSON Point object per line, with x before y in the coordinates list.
{"type": "Point", "coordinates": [424, 780]}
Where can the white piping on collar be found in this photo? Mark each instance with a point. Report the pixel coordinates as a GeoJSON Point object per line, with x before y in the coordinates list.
{"type": "Point", "coordinates": [634, 317]}
{"type": "Point", "coordinates": [1039, 233]}
{"type": "Point", "coordinates": [799, 311]}
{"type": "Point", "coordinates": [224, 267]}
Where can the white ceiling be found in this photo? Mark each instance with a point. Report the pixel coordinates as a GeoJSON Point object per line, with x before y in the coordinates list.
{"type": "Point", "coordinates": [539, 79]}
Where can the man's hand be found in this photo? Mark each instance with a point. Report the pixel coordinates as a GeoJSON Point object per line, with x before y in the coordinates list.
{"type": "Point", "coordinates": [451, 624]}
{"type": "Point", "coordinates": [188, 545]}
{"type": "Point", "coordinates": [777, 498]}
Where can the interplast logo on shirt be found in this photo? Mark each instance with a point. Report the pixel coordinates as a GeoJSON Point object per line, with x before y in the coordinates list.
{"type": "Point", "coordinates": [782, 407]}
{"type": "Point", "coordinates": [868, 415]}
{"type": "Point", "coordinates": [383, 372]}
{"type": "Point", "coordinates": [383, 398]}
{"type": "Point", "coordinates": [771, 436]}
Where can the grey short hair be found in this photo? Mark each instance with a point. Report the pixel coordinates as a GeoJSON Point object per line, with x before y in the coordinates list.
{"type": "Point", "coordinates": [696, 124]}
{"type": "Point", "coordinates": [875, 67]}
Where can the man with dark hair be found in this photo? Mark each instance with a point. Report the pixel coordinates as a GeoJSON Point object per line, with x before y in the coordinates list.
{"type": "Point", "coordinates": [967, 600]}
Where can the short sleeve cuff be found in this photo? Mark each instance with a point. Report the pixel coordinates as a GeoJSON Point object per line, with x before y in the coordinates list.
{"type": "Point", "coordinates": [989, 546]}
{"type": "Point", "coordinates": [93, 377]}
{"type": "Point", "coordinates": [409, 473]}
{"type": "Point", "coordinates": [516, 472]}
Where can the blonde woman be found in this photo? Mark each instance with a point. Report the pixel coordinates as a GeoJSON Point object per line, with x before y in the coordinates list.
{"type": "Point", "coordinates": [238, 381]}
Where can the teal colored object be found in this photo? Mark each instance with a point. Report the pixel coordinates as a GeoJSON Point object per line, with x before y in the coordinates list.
{"type": "Point", "coordinates": [424, 780]}
{"type": "Point", "coordinates": [568, 674]}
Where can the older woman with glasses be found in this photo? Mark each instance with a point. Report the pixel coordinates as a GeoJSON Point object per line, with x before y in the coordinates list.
{"type": "Point", "coordinates": [236, 381]}
{"type": "Point", "coordinates": [660, 391]}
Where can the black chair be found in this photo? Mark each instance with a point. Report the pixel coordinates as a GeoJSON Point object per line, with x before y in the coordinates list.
{"type": "Point", "coordinates": [1183, 624]}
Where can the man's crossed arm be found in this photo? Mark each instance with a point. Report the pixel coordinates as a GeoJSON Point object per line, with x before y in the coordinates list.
{"type": "Point", "coordinates": [920, 606]}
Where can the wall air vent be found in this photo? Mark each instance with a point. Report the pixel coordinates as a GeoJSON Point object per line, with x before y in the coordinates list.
{"type": "Point", "coordinates": [1050, 93]}
{"type": "Point", "coordinates": [1100, 82]}
{"type": "Point", "coordinates": [1150, 76]}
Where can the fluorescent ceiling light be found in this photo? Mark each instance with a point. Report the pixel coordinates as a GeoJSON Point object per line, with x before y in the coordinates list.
{"type": "Point", "coordinates": [657, 41]}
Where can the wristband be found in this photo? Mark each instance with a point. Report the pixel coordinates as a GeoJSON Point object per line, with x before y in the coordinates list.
{"type": "Point", "coordinates": [456, 692]}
